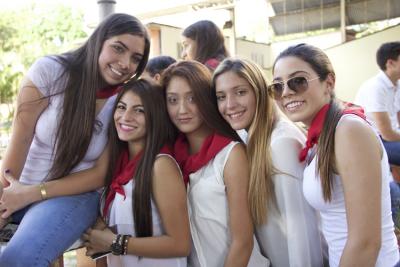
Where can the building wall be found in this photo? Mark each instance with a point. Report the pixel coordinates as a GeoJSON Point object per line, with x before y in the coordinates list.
{"type": "Point", "coordinates": [354, 62]}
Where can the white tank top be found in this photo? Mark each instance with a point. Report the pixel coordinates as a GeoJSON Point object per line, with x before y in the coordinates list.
{"type": "Point", "coordinates": [333, 214]}
{"type": "Point", "coordinates": [209, 216]}
{"type": "Point", "coordinates": [121, 217]}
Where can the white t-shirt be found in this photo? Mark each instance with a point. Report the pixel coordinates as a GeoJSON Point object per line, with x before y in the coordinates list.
{"type": "Point", "coordinates": [291, 237]}
{"type": "Point", "coordinates": [378, 94]}
{"type": "Point", "coordinates": [121, 217]}
{"type": "Point", "coordinates": [333, 214]}
{"type": "Point", "coordinates": [209, 216]}
{"type": "Point", "coordinates": [44, 74]}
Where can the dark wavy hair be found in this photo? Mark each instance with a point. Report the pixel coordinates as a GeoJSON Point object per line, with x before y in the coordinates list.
{"type": "Point", "coordinates": [158, 64]}
{"type": "Point", "coordinates": [77, 121]}
{"type": "Point", "coordinates": [159, 131]}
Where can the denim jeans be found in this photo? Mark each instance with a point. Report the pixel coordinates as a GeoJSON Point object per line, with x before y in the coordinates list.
{"type": "Point", "coordinates": [393, 151]}
{"type": "Point", "coordinates": [395, 197]}
{"type": "Point", "coordinates": [48, 228]}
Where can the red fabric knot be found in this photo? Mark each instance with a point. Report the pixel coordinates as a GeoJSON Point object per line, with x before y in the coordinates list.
{"type": "Point", "coordinates": [108, 91]}
{"type": "Point", "coordinates": [211, 146]}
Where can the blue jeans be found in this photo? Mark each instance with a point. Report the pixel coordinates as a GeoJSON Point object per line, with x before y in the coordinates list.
{"type": "Point", "coordinates": [395, 197]}
{"type": "Point", "coordinates": [48, 228]}
{"type": "Point", "coordinates": [393, 151]}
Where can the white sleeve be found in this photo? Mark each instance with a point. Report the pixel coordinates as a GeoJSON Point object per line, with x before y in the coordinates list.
{"type": "Point", "coordinates": [303, 235]}
{"type": "Point", "coordinates": [375, 98]}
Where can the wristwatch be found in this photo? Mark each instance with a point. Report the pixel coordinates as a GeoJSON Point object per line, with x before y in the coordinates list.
{"type": "Point", "coordinates": [117, 248]}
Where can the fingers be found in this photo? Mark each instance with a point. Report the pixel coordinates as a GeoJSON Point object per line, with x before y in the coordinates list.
{"type": "Point", "coordinates": [7, 175]}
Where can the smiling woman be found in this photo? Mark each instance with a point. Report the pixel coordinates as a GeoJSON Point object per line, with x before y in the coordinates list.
{"type": "Point", "coordinates": [57, 156]}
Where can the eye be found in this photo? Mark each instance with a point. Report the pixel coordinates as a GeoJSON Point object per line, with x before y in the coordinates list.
{"type": "Point", "coordinates": [139, 110]}
{"type": "Point", "coordinates": [118, 48]}
{"type": "Point", "coordinates": [136, 59]}
{"type": "Point", "coordinates": [121, 107]}
{"type": "Point", "coordinates": [221, 97]}
{"type": "Point", "coordinates": [190, 99]}
{"type": "Point", "coordinates": [171, 100]}
{"type": "Point", "coordinates": [241, 92]}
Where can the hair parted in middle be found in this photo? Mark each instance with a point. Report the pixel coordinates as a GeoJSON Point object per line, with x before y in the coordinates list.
{"type": "Point", "coordinates": [159, 132]}
{"type": "Point", "coordinates": [210, 42]}
{"type": "Point", "coordinates": [320, 63]}
{"type": "Point", "coordinates": [259, 135]}
{"type": "Point", "coordinates": [198, 78]}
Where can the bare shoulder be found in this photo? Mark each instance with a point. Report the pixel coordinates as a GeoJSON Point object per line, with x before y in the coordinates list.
{"type": "Point", "coordinates": [166, 168]}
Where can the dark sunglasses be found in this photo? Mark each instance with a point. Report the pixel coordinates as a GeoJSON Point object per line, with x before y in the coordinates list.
{"type": "Point", "coordinates": [297, 84]}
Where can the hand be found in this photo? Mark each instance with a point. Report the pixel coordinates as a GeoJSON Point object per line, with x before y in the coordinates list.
{"type": "Point", "coordinates": [98, 240]}
{"type": "Point", "coordinates": [99, 224]}
{"type": "Point", "coordinates": [16, 195]}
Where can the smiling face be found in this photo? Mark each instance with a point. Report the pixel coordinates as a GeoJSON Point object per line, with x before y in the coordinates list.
{"type": "Point", "coordinates": [129, 119]}
{"type": "Point", "coordinates": [302, 106]}
{"type": "Point", "coordinates": [181, 106]}
{"type": "Point", "coordinates": [119, 57]}
{"type": "Point", "coordinates": [236, 100]}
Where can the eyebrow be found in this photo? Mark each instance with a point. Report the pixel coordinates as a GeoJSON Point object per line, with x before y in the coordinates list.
{"type": "Point", "coordinates": [134, 106]}
{"type": "Point", "coordinates": [239, 86]}
{"type": "Point", "coordinates": [122, 44]}
{"type": "Point", "coordinates": [291, 75]}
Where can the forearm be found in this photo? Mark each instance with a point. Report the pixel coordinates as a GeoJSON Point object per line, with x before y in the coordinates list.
{"type": "Point", "coordinates": [158, 247]}
{"type": "Point", "coordinates": [390, 135]}
{"type": "Point", "coordinates": [239, 254]}
{"type": "Point", "coordinates": [367, 253]}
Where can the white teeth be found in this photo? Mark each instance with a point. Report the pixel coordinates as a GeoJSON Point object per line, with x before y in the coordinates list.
{"type": "Point", "coordinates": [115, 71]}
{"type": "Point", "coordinates": [236, 115]}
{"type": "Point", "coordinates": [293, 105]}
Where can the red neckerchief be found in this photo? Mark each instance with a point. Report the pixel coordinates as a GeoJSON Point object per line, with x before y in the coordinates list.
{"type": "Point", "coordinates": [124, 172]}
{"type": "Point", "coordinates": [108, 91]}
{"type": "Point", "coordinates": [212, 63]}
{"type": "Point", "coordinates": [213, 144]}
{"type": "Point", "coordinates": [318, 122]}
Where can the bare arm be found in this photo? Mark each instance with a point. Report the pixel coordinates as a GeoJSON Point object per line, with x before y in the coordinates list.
{"type": "Point", "coordinates": [29, 107]}
{"type": "Point", "coordinates": [358, 157]}
{"type": "Point", "coordinates": [236, 177]}
{"type": "Point", "coordinates": [170, 197]}
{"type": "Point", "coordinates": [382, 121]}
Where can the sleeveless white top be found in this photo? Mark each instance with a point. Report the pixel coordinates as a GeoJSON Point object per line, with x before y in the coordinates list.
{"type": "Point", "coordinates": [121, 217]}
{"type": "Point", "coordinates": [209, 216]}
{"type": "Point", "coordinates": [291, 236]}
{"type": "Point", "coordinates": [333, 214]}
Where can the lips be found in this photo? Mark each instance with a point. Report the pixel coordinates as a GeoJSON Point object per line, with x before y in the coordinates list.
{"type": "Point", "coordinates": [236, 115]}
{"type": "Point", "coordinates": [184, 120]}
{"type": "Point", "coordinates": [126, 128]}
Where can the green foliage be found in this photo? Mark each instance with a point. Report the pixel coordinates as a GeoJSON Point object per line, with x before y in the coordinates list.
{"type": "Point", "coordinates": [32, 32]}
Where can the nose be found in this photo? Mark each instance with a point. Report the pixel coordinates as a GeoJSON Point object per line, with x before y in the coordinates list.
{"type": "Point", "coordinates": [182, 108]}
{"type": "Point", "coordinates": [128, 116]}
{"type": "Point", "coordinates": [286, 91]}
{"type": "Point", "coordinates": [124, 62]}
{"type": "Point", "coordinates": [231, 102]}
{"type": "Point", "coordinates": [183, 54]}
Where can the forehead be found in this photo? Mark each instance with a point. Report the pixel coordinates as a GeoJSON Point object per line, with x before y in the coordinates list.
{"type": "Point", "coordinates": [285, 67]}
{"type": "Point", "coordinates": [178, 85]}
{"type": "Point", "coordinates": [131, 98]}
{"type": "Point", "coordinates": [229, 80]}
{"type": "Point", "coordinates": [186, 40]}
{"type": "Point", "coordinates": [133, 43]}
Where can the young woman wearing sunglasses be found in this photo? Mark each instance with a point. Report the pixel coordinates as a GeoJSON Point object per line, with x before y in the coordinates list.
{"type": "Point", "coordinates": [347, 176]}
{"type": "Point", "coordinates": [286, 225]}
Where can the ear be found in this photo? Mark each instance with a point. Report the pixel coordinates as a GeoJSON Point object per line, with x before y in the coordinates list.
{"type": "Point", "coordinates": [330, 82]}
{"type": "Point", "coordinates": [157, 77]}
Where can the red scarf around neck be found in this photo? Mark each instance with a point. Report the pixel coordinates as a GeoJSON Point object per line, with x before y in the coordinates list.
{"type": "Point", "coordinates": [108, 91]}
{"type": "Point", "coordinates": [213, 144]}
{"type": "Point", "coordinates": [318, 122]}
{"type": "Point", "coordinates": [124, 172]}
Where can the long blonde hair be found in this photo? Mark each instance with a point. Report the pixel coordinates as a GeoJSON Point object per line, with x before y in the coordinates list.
{"type": "Point", "coordinates": [261, 192]}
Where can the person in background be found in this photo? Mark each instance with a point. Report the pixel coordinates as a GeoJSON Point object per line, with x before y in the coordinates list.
{"type": "Point", "coordinates": [214, 165]}
{"type": "Point", "coordinates": [57, 157]}
{"type": "Point", "coordinates": [156, 66]}
{"type": "Point", "coordinates": [204, 42]}
{"type": "Point", "coordinates": [144, 201]}
{"type": "Point", "coordinates": [347, 174]}
{"type": "Point", "coordinates": [380, 98]}
{"type": "Point", "coordinates": [287, 228]}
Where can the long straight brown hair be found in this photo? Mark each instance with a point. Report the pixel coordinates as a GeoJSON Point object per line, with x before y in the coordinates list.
{"type": "Point", "coordinates": [77, 120]}
{"type": "Point", "coordinates": [198, 77]}
{"type": "Point", "coordinates": [159, 132]}
{"type": "Point", "coordinates": [261, 189]}
{"type": "Point", "coordinates": [321, 64]}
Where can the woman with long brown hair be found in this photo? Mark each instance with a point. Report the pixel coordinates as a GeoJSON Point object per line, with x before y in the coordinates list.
{"type": "Point", "coordinates": [57, 156]}
{"type": "Point", "coordinates": [214, 165]}
{"type": "Point", "coordinates": [347, 174]}
{"type": "Point", "coordinates": [144, 203]}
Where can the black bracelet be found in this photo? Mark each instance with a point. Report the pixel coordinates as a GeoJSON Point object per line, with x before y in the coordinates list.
{"type": "Point", "coordinates": [125, 239]}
